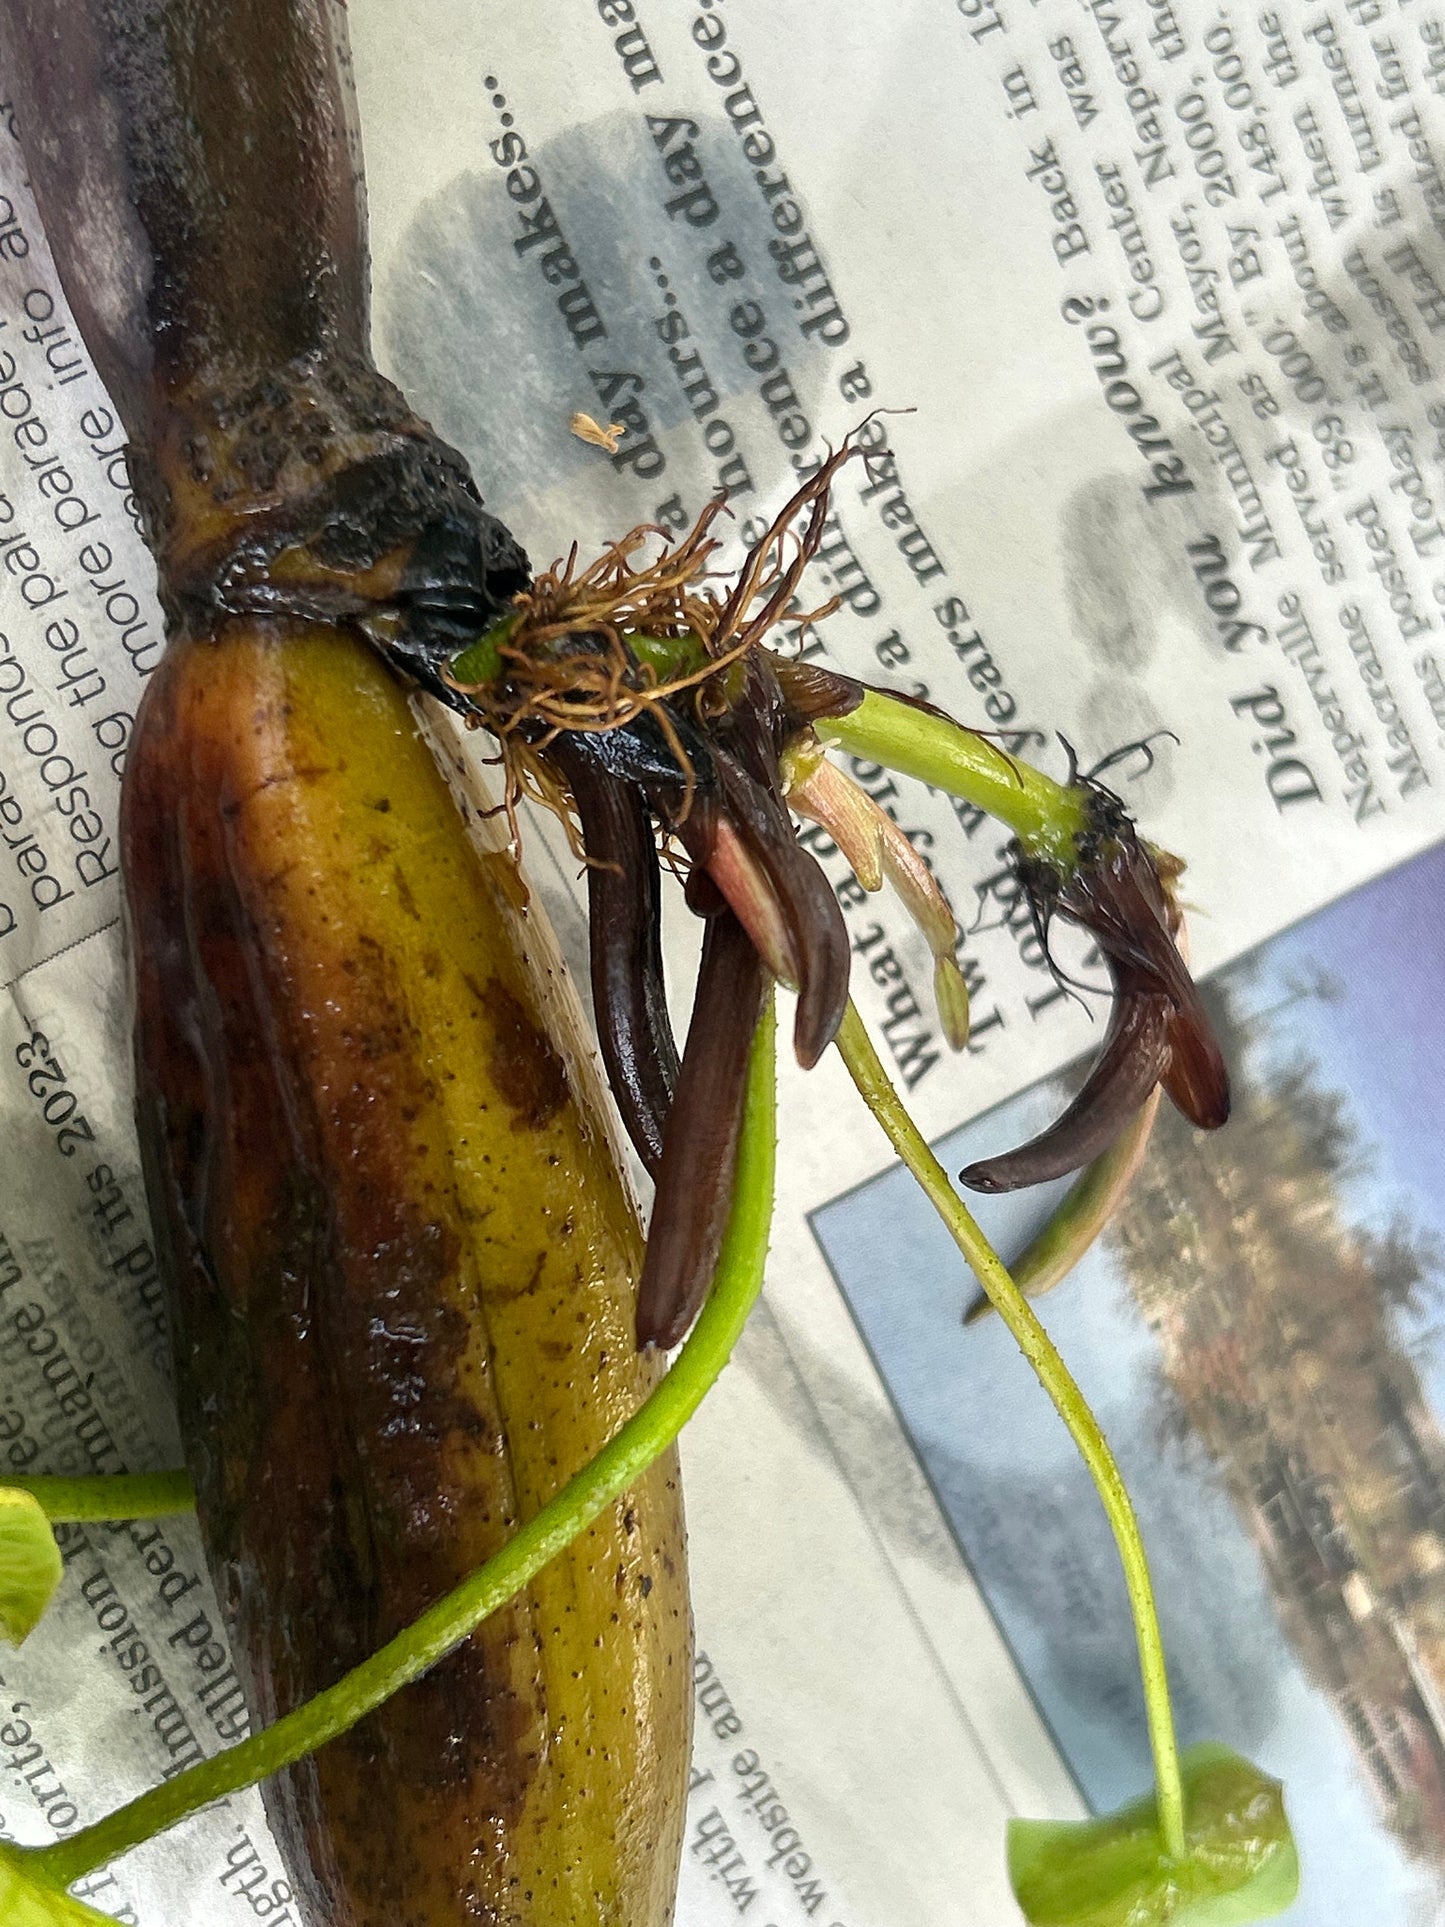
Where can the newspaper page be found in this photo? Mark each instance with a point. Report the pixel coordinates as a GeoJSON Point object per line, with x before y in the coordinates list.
{"type": "Point", "coordinates": [1162, 287]}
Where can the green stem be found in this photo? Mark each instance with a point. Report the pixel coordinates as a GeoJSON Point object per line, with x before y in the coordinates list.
{"type": "Point", "coordinates": [110, 1495]}
{"type": "Point", "coordinates": [1038, 1348]}
{"type": "Point", "coordinates": [1088, 1205]}
{"type": "Point", "coordinates": [443, 1626]}
{"type": "Point", "coordinates": [1045, 816]}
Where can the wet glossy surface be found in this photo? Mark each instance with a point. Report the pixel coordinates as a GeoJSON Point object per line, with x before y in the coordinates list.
{"type": "Point", "coordinates": [404, 1272]}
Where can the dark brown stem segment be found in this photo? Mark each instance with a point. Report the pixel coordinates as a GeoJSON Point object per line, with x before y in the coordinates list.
{"type": "Point", "coordinates": [198, 181]}
{"type": "Point", "coordinates": [695, 1180]}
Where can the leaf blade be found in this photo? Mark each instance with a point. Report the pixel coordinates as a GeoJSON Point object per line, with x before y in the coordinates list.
{"type": "Point", "coordinates": [30, 1564]}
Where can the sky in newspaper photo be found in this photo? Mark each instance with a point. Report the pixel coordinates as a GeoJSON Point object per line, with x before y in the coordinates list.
{"type": "Point", "coordinates": [1262, 1333]}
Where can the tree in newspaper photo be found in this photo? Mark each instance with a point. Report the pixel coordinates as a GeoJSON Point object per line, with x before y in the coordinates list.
{"type": "Point", "coordinates": [366, 1255]}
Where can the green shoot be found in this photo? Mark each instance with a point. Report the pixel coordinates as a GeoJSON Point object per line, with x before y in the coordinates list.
{"type": "Point", "coordinates": [27, 1899]}
{"type": "Point", "coordinates": [443, 1626]}
{"type": "Point", "coordinates": [1044, 815]}
{"type": "Point", "coordinates": [481, 661]}
{"type": "Point", "coordinates": [1227, 1857]}
{"type": "Point", "coordinates": [669, 657]}
{"type": "Point", "coordinates": [30, 1562]}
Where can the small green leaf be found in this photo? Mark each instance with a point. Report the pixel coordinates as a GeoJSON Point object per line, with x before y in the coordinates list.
{"type": "Point", "coordinates": [30, 1566]}
{"type": "Point", "coordinates": [26, 1901]}
{"type": "Point", "coordinates": [480, 663]}
{"type": "Point", "coordinates": [1240, 1865]}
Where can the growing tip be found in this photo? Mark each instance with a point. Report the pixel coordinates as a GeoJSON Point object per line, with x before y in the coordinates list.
{"type": "Point", "coordinates": [1159, 1031]}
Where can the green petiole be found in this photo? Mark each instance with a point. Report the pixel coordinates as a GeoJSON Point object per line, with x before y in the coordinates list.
{"type": "Point", "coordinates": [1038, 1348]}
{"type": "Point", "coordinates": [110, 1495]}
{"type": "Point", "coordinates": [443, 1626]}
{"type": "Point", "coordinates": [1082, 1213]}
{"type": "Point", "coordinates": [1044, 815]}
{"type": "Point", "coordinates": [30, 1561]}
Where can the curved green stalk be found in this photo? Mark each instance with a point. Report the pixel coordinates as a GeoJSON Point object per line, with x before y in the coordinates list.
{"type": "Point", "coordinates": [443, 1626]}
{"type": "Point", "coordinates": [1081, 1215]}
{"type": "Point", "coordinates": [1038, 1348]}
{"type": "Point", "coordinates": [110, 1495]}
{"type": "Point", "coordinates": [480, 663]}
{"type": "Point", "coordinates": [1044, 815]}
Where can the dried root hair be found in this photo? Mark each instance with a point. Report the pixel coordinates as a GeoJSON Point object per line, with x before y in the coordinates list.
{"type": "Point", "coordinates": [547, 684]}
